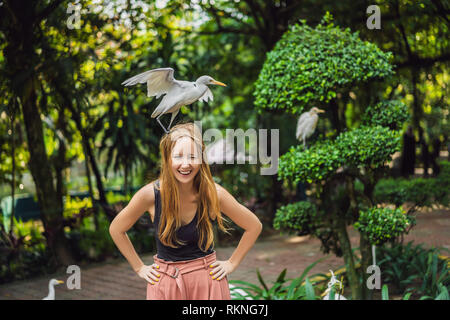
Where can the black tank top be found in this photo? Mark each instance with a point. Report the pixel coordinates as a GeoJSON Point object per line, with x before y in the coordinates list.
{"type": "Point", "coordinates": [188, 234]}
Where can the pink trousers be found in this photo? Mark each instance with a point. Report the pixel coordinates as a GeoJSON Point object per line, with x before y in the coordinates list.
{"type": "Point", "coordinates": [188, 280]}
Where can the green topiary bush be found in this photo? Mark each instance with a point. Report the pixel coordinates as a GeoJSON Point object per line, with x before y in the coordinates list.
{"type": "Point", "coordinates": [391, 114]}
{"type": "Point", "coordinates": [319, 67]}
{"type": "Point", "coordinates": [299, 216]}
{"type": "Point", "coordinates": [383, 224]}
{"type": "Point", "coordinates": [367, 146]}
{"type": "Point", "coordinates": [313, 164]}
{"type": "Point", "coordinates": [308, 66]}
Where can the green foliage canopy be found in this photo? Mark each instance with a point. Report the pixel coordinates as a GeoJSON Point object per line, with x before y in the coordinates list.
{"type": "Point", "coordinates": [368, 146]}
{"type": "Point", "coordinates": [316, 163]}
{"type": "Point", "coordinates": [363, 146]}
{"type": "Point", "coordinates": [390, 113]}
{"type": "Point", "coordinates": [309, 65]}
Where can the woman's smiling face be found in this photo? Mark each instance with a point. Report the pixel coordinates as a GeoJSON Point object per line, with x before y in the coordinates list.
{"type": "Point", "coordinates": [186, 159]}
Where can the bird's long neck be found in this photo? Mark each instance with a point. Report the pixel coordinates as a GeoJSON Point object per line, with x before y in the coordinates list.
{"type": "Point", "coordinates": [198, 80]}
{"type": "Point", "coordinates": [51, 290]}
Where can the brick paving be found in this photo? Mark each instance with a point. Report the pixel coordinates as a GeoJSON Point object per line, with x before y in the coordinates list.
{"type": "Point", "coordinates": [115, 280]}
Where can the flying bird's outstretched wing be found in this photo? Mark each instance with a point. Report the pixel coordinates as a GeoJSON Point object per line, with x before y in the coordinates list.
{"type": "Point", "coordinates": [159, 81]}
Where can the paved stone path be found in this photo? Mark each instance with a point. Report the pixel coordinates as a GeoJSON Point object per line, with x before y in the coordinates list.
{"type": "Point", "coordinates": [117, 281]}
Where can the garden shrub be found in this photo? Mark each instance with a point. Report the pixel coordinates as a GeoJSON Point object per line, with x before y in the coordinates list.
{"type": "Point", "coordinates": [299, 288]}
{"type": "Point", "coordinates": [297, 216]}
{"type": "Point", "coordinates": [420, 191]}
{"type": "Point", "coordinates": [380, 225]}
{"type": "Point", "coordinates": [391, 113]}
{"type": "Point", "coordinates": [413, 269]}
{"type": "Point", "coordinates": [27, 255]}
{"type": "Point", "coordinates": [316, 163]}
{"type": "Point", "coordinates": [367, 146]}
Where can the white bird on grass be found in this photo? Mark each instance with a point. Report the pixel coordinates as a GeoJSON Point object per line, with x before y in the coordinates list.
{"type": "Point", "coordinates": [177, 93]}
{"type": "Point", "coordinates": [307, 123]}
{"type": "Point", "coordinates": [51, 289]}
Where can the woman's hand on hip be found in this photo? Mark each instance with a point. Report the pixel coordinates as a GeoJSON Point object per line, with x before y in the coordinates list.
{"type": "Point", "coordinates": [149, 273]}
{"type": "Point", "coordinates": [221, 269]}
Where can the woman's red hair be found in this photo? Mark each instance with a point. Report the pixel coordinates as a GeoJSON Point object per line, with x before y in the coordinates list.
{"type": "Point", "coordinates": [204, 186]}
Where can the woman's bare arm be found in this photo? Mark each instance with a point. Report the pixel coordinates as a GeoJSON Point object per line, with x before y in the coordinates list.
{"type": "Point", "coordinates": [245, 219]}
{"type": "Point", "coordinates": [138, 205]}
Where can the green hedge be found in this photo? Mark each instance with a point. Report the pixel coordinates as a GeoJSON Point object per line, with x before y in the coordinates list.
{"type": "Point", "coordinates": [421, 191]}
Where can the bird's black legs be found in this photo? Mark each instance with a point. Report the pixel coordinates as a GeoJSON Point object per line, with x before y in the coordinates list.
{"type": "Point", "coordinates": [165, 130]}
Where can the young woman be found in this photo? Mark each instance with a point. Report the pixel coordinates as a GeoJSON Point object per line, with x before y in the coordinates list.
{"type": "Point", "coordinates": [183, 205]}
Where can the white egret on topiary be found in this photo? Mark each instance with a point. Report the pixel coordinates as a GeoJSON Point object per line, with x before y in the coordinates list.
{"type": "Point", "coordinates": [307, 123]}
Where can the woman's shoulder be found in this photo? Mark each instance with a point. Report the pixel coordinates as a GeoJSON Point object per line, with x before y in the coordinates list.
{"type": "Point", "coordinates": [147, 192]}
{"type": "Point", "coordinates": [224, 196]}
{"type": "Point", "coordinates": [221, 192]}
{"type": "Point", "coordinates": [219, 188]}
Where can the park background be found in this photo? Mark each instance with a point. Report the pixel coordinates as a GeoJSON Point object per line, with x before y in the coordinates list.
{"type": "Point", "coordinates": [76, 145]}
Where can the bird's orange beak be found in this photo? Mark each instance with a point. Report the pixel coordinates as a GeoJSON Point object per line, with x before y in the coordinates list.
{"type": "Point", "coordinates": [321, 111]}
{"type": "Point", "coordinates": [219, 83]}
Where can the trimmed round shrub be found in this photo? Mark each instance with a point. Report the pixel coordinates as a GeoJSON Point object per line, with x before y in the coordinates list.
{"type": "Point", "coordinates": [296, 216]}
{"type": "Point", "coordinates": [383, 224]}
{"type": "Point", "coordinates": [391, 113]}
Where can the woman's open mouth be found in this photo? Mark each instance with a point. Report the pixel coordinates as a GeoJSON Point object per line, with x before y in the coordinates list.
{"type": "Point", "coordinates": [185, 173]}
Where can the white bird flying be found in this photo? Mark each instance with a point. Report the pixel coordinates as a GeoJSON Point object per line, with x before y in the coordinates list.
{"type": "Point", "coordinates": [51, 289]}
{"type": "Point", "coordinates": [307, 124]}
{"type": "Point", "coordinates": [177, 93]}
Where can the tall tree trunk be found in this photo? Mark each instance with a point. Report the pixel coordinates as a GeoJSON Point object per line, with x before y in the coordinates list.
{"type": "Point", "coordinates": [50, 205]}
{"type": "Point", "coordinates": [366, 260]}
{"type": "Point", "coordinates": [90, 157]}
{"type": "Point", "coordinates": [417, 115]}
{"type": "Point", "coordinates": [86, 145]}
{"type": "Point", "coordinates": [98, 176]}
{"type": "Point", "coordinates": [408, 158]}
{"type": "Point", "coordinates": [275, 195]}
{"type": "Point", "coordinates": [60, 160]}
{"type": "Point", "coordinates": [346, 247]}
{"type": "Point", "coordinates": [21, 63]}
{"type": "Point", "coordinates": [91, 191]}
{"type": "Point", "coordinates": [13, 156]}
{"type": "Point", "coordinates": [345, 241]}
